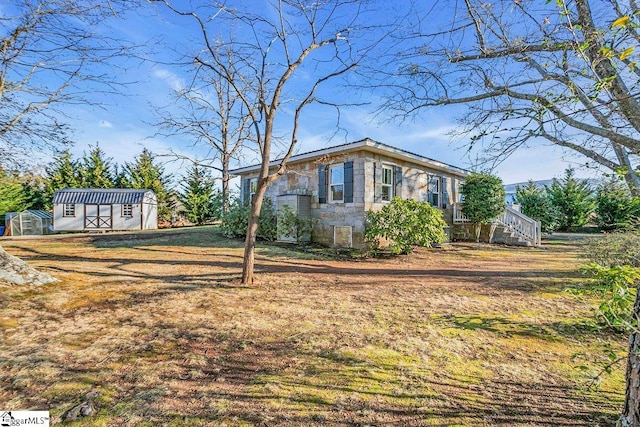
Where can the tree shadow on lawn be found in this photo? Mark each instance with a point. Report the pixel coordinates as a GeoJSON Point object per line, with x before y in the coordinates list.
{"type": "Point", "coordinates": [548, 331]}
{"type": "Point", "coordinates": [358, 273]}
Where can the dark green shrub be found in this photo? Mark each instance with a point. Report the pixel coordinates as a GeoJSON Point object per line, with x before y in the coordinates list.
{"type": "Point", "coordinates": [236, 220]}
{"type": "Point", "coordinates": [616, 209]}
{"type": "Point", "coordinates": [613, 249]}
{"type": "Point", "coordinates": [405, 223]}
{"type": "Point", "coordinates": [292, 225]}
{"type": "Point", "coordinates": [616, 286]}
{"type": "Point", "coordinates": [614, 263]}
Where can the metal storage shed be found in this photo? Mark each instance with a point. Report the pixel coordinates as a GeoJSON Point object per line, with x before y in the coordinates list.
{"type": "Point", "coordinates": [29, 223]}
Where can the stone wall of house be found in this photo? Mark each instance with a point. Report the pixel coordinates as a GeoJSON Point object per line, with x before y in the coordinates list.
{"type": "Point", "coordinates": [415, 184]}
{"type": "Point", "coordinates": [302, 178]}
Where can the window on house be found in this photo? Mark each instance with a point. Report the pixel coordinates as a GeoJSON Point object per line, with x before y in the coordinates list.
{"type": "Point", "coordinates": [435, 192]}
{"type": "Point", "coordinates": [387, 183]}
{"type": "Point", "coordinates": [336, 183]}
{"type": "Point", "coordinates": [127, 210]}
{"type": "Point", "coordinates": [69, 209]}
{"type": "Point", "coordinates": [253, 186]}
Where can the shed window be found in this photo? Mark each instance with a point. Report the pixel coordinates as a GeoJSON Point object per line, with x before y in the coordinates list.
{"type": "Point", "coordinates": [69, 209]}
{"type": "Point", "coordinates": [127, 210]}
{"type": "Point", "coordinates": [336, 183]}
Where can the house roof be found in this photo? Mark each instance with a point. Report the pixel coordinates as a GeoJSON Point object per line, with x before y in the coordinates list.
{"type": "Point", "coordinates": [99, 196]}
{"type": "Point", "coordinates": [364, 144]}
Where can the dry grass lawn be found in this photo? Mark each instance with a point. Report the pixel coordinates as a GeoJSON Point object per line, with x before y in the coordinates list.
{"type": "Point", "coordinates": [466, 335]}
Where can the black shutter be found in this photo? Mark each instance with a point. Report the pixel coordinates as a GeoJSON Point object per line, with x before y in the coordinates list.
{"type": "Point", "coordinates": [322, 184]}
{"type": "Point", "coordinates": [245, 191]}
{"type": "Point", "coordinates": [377, 182]}
{"type": "Point", "coordinates": [445, 192]}
{"type": "Point", "coordinates": [348, 182]}
{"type": "Point", "coordinates": [397, 176]}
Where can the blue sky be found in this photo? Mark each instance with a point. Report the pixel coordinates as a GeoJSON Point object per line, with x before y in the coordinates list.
{"type": "Point", "coordinates": [123, 125]}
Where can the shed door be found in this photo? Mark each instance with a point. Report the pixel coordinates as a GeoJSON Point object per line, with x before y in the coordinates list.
{"type": "Point", "coordinates": [97, 217]}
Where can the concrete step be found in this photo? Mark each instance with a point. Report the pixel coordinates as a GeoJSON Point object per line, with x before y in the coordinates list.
{"type": "Point", "coordinates": [503, 235]}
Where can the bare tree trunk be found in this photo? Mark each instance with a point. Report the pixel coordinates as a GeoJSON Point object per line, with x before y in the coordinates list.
{"type": "Point", "coordinates": [630, 415]}
{"type": "Point", "coordinates": [478, 232]}
{"type": "Point", "coordinates": [225, 183]}
{"type": "Point", "coordinates": [248, 260]}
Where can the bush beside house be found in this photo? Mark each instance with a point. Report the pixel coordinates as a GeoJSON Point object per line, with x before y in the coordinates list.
{"type": "Point", "coordinates": [405, 223]}
{"type": "Point", "coordinates": [484, 200]}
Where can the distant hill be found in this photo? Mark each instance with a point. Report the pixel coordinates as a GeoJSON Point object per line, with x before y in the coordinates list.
{"type": "Point", "coordinates": [510, 189]}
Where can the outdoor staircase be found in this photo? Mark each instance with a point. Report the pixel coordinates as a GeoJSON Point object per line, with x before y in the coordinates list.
{"type": "Point", "coordinates": [512, 227]}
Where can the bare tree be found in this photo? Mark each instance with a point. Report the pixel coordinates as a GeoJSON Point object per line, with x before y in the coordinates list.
{"type": "Point", "coordinates": [48, 57]}
{"type": "Point", "coordinates": [289, 50]}
{"type": "Point", "coordinates": [211, 112]}
{"type": "Point", "coordinates": [560, 71]}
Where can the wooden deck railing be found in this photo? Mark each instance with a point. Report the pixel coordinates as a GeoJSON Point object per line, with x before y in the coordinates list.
{"type": "Point", "coordinates": [516, 222]}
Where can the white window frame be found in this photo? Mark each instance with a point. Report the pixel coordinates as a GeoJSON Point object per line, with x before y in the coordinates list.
{"type": "Point", "coordinates": [69, 210]}
{"type": "Point", "coordinates": [127, 210]}
{"type": "Point", "coordinates": [336, 184]}
{"type": "Point", "coordinates": [390, 185]}
{"type": "Point", "coordinates": [438, 180]}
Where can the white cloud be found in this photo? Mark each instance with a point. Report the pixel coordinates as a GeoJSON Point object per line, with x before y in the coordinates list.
{"type": "Point", "coordinates": [105, 124]}
{"type": "Point", "coordinates": [172, 79]}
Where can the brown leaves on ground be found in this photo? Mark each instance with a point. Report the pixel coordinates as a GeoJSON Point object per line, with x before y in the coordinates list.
{"type": "Point", "coordinates": [465, 335]}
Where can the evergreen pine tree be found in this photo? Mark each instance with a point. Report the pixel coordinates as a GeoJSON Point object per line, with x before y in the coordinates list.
{"type": "Point", "coordinates": [121, 180]}
{"type": "Point", "coordinates": [616, 208]}
{"type": "Point", "coordinates": [33, 188]}
{"type": "Point", "coordinates": [145, 174]}
{"type": "Point", "coordinates": [535, 203]}
{"type": "Point", "coordinates": [12, 198]}
{"type": "Point", "coordinates": [198, 196]}
{"type": "Point", "coordinates": [96, 171]}
{"type": "Point", "coordinates": [573, 198]}
{"type": "Point", "coordinates": [64, 172]}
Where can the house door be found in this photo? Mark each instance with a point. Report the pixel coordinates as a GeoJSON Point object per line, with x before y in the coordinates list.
{"type": "Point", "coordinates": [97, 217]}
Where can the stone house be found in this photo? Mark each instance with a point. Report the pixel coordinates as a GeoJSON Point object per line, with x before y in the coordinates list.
{"type": "Point", "coordinates": [338, 185]}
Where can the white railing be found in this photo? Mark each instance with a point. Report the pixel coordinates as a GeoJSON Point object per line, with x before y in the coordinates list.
{"type": "Point", "coordinates": [516, 222]}
{"type": "Point", "coordinates": [458, 216]}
